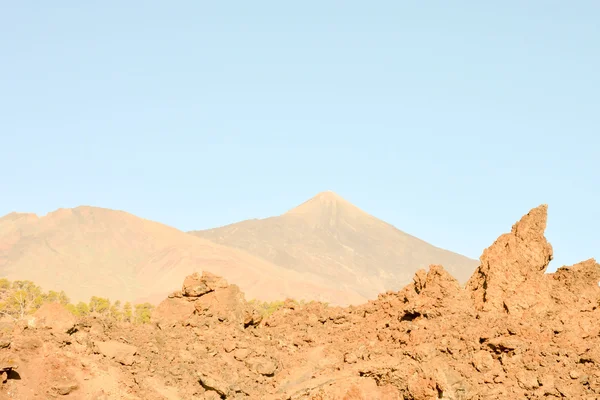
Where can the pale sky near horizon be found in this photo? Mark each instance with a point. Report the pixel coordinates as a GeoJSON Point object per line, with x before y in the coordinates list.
{"type": "Point", "coordinates": [449, 121]}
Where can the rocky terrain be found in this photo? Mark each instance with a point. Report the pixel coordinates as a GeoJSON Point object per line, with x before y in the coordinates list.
{"type": "Point", "coordinates": [511, 332]}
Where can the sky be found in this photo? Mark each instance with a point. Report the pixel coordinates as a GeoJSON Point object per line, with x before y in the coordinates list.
{"type": "Point", "coordinates": [449, 120]}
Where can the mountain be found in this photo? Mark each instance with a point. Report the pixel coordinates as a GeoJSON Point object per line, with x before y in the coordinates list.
{"type": "Point", "coordinates": [89, 251]}
{"type": "Point", "coordinates": [326, 249]}
{"type": "Point", "coordinates": [330, 237]}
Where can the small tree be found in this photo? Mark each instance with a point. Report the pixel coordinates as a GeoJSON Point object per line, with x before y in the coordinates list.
{"type": "Point", "coordinates": [143, 312]}
{"type": "Point", "coordinates": [4, 284]}
{"type": "Point", "coordinates": [267, 308]}
{"type": "Point", "coordinates": [99, 304]}
{"type": "Point", "coordinates": [71, 308]}
{"type": "Point", "coordinates": [127, 312]}
{"type": "Point", "coordinates": [57, 297]}
{"type": "Point", "coordinates": [82, 308]}
{"type": "Point", "coordinates": [23, 298]}
{"type": "Point", "coordinates": [115, 310]}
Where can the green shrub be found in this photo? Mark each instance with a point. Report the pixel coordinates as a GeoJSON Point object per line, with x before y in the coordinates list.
{"type": "Point", "coordinates": [266, 308]}
{"type": "Point", "coordinates": [127, 312]}
{"type": "Point", "coordinates": [56, 297]}
{"type": "Point", "coordinates": [20, 299]}
{"type": "Point", "coordinates": [99, 304]}
{"type": "Point", "coordinates": [143, 312]}
{"type": "Point", "coordinates": [115, 311]}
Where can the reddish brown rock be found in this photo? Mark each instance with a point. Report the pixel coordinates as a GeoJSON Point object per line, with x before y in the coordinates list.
{"type": "Point", "coordinates": [515, 257]}
{"type": "Point", "coordinates": [357, 389]}
{"type": "Point", "coordinates": [54, 316]}
{"type": "Point", "coordinates": [172, 311]}
{"type": "Point", "coordinates": [577, 286]}
{"type": "Point", "coordinates": [120, 352]}
{"type": "Point", "coordinates": [196, 285]}
{"type": "Point", "coordinates": [65, 388]}
{"type": "Point", "coordinates": [261, 365]}
{"type": "Point", "coordinates": [433, 294]}
{"type": "Point", "coordinates": [226, 305]}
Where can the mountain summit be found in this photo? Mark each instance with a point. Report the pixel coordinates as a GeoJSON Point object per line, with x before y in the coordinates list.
{"type": "Point", "coordinates": [351, 249]}
{"type": "Point", "coordinates": [326, 208]}
{"type": "Point", "coordinates": [324, 200]}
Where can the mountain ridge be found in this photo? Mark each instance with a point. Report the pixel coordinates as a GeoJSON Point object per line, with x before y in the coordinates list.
{"type": "Point", "coordinates": [329, 235]}
{"type": "Point", "coordinates": [325, 249]}
{"type": "Point", "coordinates": [111, 253]}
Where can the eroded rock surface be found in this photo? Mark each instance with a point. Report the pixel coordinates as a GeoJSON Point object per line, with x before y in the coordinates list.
{"type": "Point", "coordinates": [120, 352]}
{"type": "Point", "coordinates": [513, 332]}
{"type": "Point", "coordinates": [206, 300]}
{"type": "Point", "coordinates": [515, 258]}
{"type": "Point", "coordinates": [54, 316]}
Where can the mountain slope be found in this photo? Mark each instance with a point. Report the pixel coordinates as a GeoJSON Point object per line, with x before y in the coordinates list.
{"type": "Point", "coordinates": [330, 237]}
{"type": "Point", "coordinates": [94, 251]}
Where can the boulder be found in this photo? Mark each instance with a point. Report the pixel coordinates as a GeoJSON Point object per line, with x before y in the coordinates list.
{"type": "Point", "coordinates": [65, 388]}
{"type": "Point", "coordinates": [197, 285]}
{"type": "Point", "coordinates": [226, 306]}
{"type": "Point", "coordinates": [172, 311]}
{"type": "Point", "coordinates": [262, 366]}
{"type": "Point", "coordinates": [54, 316]}
{"type": "Point", "coordinates": [121, 352]}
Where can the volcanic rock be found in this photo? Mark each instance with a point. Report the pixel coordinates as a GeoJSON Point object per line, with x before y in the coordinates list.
{"type": "Point", "coordinates": [65, 388]}
{"type": "Point", "coordinates": [172, 311]}
{"type": "Point", "coordinates": [434, 293]}
{"type": "Point", "coordinates": [54, 316]}
{"type": "Point", "coordinates": [197, 285]}
{"type": "Point", "coordinates": [515, 257]}
{"type": "Point", "coordinates": [120, 352]}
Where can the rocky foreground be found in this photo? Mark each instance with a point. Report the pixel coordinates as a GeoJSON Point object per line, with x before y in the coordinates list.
{"type": "Point", "coordinates": [513, 332]}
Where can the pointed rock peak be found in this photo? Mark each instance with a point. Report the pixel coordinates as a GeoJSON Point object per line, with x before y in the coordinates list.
{"type": "Point", "coordinates": [532, 224]}
{"type": "Point", "coordinates": [327, 201]}
{"type": "Point", "coordinates": [329, 195]}
{"type": "Point", "coordinates": [515, 257]}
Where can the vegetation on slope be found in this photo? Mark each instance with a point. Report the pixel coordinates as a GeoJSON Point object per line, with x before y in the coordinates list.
{"type": "Point", "coordinates": [19, 299]}
{"type": "Point", "coordinates": [266, 308]}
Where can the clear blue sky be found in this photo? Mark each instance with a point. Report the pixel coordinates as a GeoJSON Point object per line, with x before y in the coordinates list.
{"type": "Point", "coordinates": [449, 120]}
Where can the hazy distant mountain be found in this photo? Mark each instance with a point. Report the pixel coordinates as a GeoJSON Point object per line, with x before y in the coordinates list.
{"type": "Point", "coordinates": [330, 237]}
{"type": "Point", "coordinates": [94, 251]}
{"type": "Point", "coordinates": [326, 249]}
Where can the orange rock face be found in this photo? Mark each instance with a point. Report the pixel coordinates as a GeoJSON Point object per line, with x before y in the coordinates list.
{"type": "Point", "coordinates": [512, 332]}
{"type": "Point", "coordinates": [518, 257]}
{"type": "Point", "coordinates": [54, 316]}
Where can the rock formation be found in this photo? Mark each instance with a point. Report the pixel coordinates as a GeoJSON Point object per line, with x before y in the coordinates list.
{"type": "Point", "coordinates": [518, 257]}
{"type": "Point", "coordinates": [205, 300]}
{"type": "Point", "coordinates": [513, 332]}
